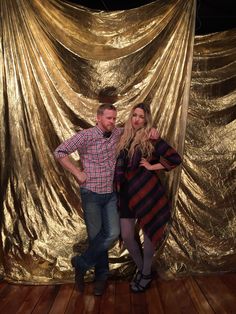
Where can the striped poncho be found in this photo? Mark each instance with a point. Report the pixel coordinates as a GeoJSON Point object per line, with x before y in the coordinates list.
{"type": "Point", "coordinates": [141, 189]}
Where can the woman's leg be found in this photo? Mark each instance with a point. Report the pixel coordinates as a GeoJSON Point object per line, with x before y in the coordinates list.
{"type": "Point", "coordinates": [146, 277]}
{"type": "Point", "coordinates": [148, 252]}
{"type": "Point", "coordinates": [128, 235]}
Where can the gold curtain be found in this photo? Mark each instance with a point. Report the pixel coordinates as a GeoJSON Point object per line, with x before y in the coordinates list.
{"type": "Point", "coordinates": [203, 234]}
{"type": "Point", "coordinates": [55, 58]}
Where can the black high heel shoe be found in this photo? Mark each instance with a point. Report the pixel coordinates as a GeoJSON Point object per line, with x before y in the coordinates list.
{"type": "Point", "coordinates": [136, 278]}
{"type": "Point", "coordinates": [137, 287]}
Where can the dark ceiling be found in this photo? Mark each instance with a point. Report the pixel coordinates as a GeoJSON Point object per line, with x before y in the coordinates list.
{"type": "Point", "coordinates": [212, 15]}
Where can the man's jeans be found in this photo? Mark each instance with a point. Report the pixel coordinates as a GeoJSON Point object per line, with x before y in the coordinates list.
{"type": "Point", "coordinates": [103, 227]}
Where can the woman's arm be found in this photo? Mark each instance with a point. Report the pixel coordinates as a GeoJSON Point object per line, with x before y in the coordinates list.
{"type": "Point", "coordinates": [168, 156]}
{"type": "Point", "coordinates": [148, 166]}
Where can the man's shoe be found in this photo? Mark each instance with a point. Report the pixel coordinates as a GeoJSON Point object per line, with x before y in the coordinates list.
{"type": "Point", "coordinates": [99, 287]}
{"type": "Point", "coordinates": [79, 275]}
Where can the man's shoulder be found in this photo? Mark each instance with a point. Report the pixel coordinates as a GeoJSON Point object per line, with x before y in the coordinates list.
{"type": "Point", "coordinates": [94, 132]}
{"type": "Point", "coordinates": [86, 132]}
{"type": "Point", "coordinates": [118, 130]}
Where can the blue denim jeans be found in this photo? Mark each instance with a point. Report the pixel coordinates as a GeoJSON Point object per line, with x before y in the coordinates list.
{"type": "Point", "coordinates": [103, 227]}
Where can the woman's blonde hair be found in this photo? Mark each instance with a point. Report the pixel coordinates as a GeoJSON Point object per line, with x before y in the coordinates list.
{"type": "Point", "coordinates": [132, 139]}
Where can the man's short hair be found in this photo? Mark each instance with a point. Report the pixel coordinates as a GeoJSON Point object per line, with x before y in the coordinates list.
{"type": "Point", "coordinates": [103, 107]}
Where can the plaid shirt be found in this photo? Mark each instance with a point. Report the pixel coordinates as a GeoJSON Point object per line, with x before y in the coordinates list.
{"type": "Point", "coordinates": [97, 155]}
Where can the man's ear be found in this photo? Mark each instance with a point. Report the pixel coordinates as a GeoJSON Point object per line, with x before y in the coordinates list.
{"type": "Point", "coordinates": [98, 117]}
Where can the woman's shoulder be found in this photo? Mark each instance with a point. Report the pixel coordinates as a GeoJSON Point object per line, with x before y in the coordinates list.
{"type": "Point", "coordinates": [155, 141]}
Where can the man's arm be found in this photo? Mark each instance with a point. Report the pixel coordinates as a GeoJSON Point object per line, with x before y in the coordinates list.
{"type": "Point", "coordinates": [76, 171]}
{"type": "Point", "coordinates": [66, 148]}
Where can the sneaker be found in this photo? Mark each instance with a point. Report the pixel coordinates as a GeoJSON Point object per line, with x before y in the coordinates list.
{"type": "Point", "coordinates": [99, 287]}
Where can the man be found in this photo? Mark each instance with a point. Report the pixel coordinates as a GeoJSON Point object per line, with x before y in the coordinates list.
{"type": "Point", "coordinates": [96, 147]}
{"type": "Point", "coordinates": [97, 150]}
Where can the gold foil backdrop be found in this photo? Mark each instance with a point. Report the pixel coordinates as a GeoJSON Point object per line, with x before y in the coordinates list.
{"type": "Point", "coordinates": [55, 58]}
{"type": "Point", "coordinates": [203, 234]}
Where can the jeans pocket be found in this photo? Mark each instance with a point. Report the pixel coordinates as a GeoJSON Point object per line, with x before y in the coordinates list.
{"type": "Point", "coordinates": [84, 191]}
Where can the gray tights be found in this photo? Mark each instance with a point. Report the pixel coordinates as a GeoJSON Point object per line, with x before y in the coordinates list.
{"type": "Point", "coordinates": [142, 261]}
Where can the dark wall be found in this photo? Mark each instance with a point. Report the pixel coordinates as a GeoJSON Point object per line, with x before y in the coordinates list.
{"type": "Point", "coordinates": [212, 15]}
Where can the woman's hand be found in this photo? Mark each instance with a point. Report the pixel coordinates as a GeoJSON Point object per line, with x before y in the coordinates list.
{"type": "Point", "coordinates": [148, 166]}
{"type": "Point", "coordinates": [145, 164]}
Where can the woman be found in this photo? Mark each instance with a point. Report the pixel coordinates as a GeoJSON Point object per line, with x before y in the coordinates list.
{"type": "Point", "coordinates": [140, 193]}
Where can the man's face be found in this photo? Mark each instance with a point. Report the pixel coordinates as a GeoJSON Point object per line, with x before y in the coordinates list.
{"type": "Point", "coordinates": [107, 120]}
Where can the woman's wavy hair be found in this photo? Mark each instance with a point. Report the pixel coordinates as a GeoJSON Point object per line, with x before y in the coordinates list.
{"type": "Point", "coordinates": [132, 139]}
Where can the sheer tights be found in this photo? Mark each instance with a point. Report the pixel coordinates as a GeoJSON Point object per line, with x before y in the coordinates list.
{"type": "Point", "coordinates": [142, 261]}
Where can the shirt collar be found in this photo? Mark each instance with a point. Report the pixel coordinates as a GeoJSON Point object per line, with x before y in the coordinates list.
{"type": "Point", "coordinates": [98, 130]}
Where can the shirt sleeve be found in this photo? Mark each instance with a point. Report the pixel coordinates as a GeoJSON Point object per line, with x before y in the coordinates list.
{"type": "Point", "coordinates": [76, 142]}
{"type": "Point", "coordinates": [169, 157]}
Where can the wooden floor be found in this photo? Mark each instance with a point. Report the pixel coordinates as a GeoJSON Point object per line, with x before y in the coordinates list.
{"type": "Point", "coordinates": [201, 294]}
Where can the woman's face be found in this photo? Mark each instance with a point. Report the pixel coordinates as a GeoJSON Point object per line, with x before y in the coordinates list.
{"type": "Point", "coordinates": [138, 118]}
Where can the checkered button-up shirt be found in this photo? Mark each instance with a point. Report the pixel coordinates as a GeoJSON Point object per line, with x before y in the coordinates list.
{"type": "Point", "coordinates": [97, 156]}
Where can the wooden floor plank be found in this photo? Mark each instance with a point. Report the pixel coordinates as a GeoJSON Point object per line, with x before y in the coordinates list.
{"type": "Point", "coordinates": [138, 303]}
{"type": "Point", "coordinates": [122, 298]}
{"type": "Point", "coordinates": [5, 289]}
{"type": "Point", "coordinates": [154, 304]}
{"type": "Point", "coordinates": [91, 302]}
{"type": "Point", "coordinates": [14, 299]}
{"type": "Point", "coordinates": [31, 300]}
{"type": "Point", "coordinates": [230, 281]}
{"type": "Point", "coordinates": [2, 285]}
{"type": "Point", "coordinates": [214, 289]}
{"type": "Point", "coordinates": [62, 299]}
{"type": "Point", "coordinates": [76, 302]}
{"type": "Point", "coordinates": [108, 299]}
{"type": "Point", "coordinates": [46, 300]}
{"type": "Point", "coordinates": [198, 298]}
{"type": "Point", "coordinates": [84, 302]}
{"type": "Point", "coordinates": [184, 299]}
{"type": "Point", "coordinates": [175, 298]}
{"type": "Point", "coordinates": [190, 295]}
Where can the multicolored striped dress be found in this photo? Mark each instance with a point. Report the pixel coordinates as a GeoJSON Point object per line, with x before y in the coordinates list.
{"type": "Point", "coordinates": [141, 194]}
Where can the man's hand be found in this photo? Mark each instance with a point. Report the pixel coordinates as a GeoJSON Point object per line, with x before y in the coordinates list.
{"type": "Point", "coordinates": [154, 134]}
{"type": "Point", "coordinates": [81, 177]}
{"type": "Point", "coordinates": [77, 172]}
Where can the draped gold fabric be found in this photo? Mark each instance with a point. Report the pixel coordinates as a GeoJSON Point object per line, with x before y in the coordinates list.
{"type": "Point", "coordinates": [55, 57]}
{"type": "Point", "coordinates": [203, 234]}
